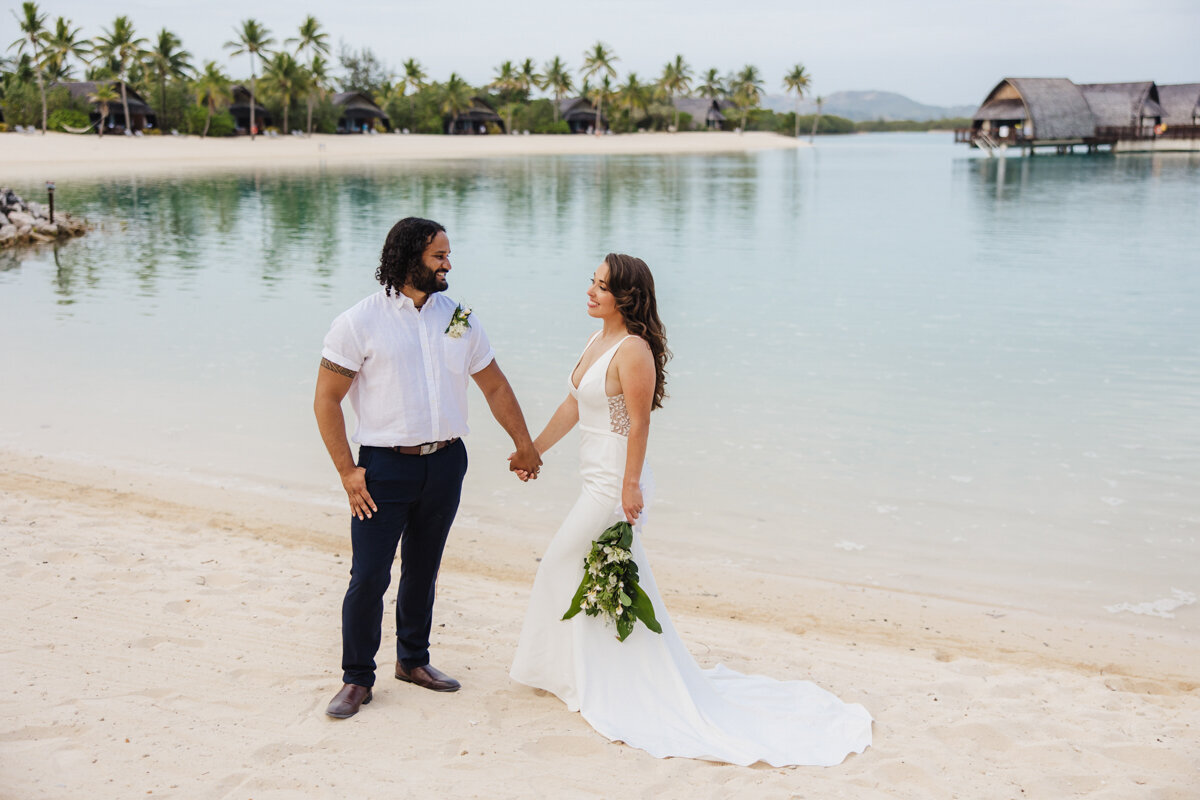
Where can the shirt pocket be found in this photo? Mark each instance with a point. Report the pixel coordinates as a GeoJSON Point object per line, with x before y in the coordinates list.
{"type": "Point", "coordinates": [457, 353]}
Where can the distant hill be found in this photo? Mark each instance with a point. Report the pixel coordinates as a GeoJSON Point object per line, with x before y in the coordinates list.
{"type": "Point", "coordinates": [865, 106]}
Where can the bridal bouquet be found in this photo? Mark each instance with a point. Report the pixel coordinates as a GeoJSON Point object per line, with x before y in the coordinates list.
{"type": "Point", "coordinates": [609, 586]}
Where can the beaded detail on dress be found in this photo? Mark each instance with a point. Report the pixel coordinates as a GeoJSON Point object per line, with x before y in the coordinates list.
{"type": "Point", "coordinates": [618, 415]}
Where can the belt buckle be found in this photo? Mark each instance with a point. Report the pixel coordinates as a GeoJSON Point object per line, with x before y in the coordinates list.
{"type": "Point", "coordinates": [428, 448]}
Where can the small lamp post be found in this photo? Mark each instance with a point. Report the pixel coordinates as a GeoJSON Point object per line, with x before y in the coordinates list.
{"type": "Point", "coordinates": [50, 194]}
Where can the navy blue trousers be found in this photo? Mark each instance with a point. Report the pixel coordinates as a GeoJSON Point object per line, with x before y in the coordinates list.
{"type": "Point", "coordinates": [417, 498]}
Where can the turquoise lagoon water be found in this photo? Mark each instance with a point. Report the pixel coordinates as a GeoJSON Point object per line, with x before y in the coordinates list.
{"type": "Point", "coordinates": [896, 363]}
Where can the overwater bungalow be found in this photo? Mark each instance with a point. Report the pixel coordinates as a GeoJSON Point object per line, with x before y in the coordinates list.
{"type": "Point", "coordinates": [1180, 103]}
{"type": "Point", "coordinates": [481, 118]}
{"type": "Point", "coordinates": [705, 112]}
{"type": "Point", "coordinates": [359, 113]}
{"type": "Point", "coordinates": [141, 116]}
{"type": "Point", "coordinates": [1123, 108]}
{"type": "Point", "coordinates": [1032, 113]}
{"type": "Point", "coordinates": [240, 109]}
{"type": "Point", "coordinates": [580, 115]}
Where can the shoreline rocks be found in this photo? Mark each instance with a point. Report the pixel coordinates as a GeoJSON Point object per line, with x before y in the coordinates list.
{"type": "Point", "coordinates": [24, 222]}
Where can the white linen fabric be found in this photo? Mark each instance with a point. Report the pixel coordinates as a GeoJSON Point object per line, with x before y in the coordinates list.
{"type": "Point", "coordinates": [411, 386]}
{"type": "Point", "coordinates": [648, 691]}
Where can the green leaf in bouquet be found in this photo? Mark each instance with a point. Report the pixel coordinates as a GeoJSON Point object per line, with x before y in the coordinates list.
{"type": "Point", "coordinates": [643, 609]}
{"type": "Point", "coordinates": [624, 626]}
{"type": "Point", "coordinates": [625, 599]}
{"type": "Point", "coordinates": [577, 600]}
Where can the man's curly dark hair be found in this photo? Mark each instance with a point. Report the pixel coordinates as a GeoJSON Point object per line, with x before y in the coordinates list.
{"type": "Point", "coordinates": [406, 242]}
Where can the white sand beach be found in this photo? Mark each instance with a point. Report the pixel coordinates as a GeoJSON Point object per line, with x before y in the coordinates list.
{"type": "Point", "coordinates": [186, 647]}
{"type": "Point", "coordinates": [173, 638]}
{"type": "Point", "coordinates": [59, 155]}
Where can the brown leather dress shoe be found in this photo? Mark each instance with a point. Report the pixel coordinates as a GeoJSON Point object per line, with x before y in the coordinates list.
{"type": "Point", "coordinates": [346, 702]}
{"type": "Point", "coordinates": [427, 677]}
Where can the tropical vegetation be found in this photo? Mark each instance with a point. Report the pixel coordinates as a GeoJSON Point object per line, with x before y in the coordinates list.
{"type": "Point", "coordinates": [294, 79]}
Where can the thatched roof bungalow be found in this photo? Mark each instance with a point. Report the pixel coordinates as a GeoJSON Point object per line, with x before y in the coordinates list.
{"type": "Point", "coordinates": [705, 112]}
{"type": "Point", "coordinates": [1032, 111]}
{"type": "Point", "coordinates": [580, 115]}
{"type": "Point", "coordinates": [240, 109]}
{"type": "Point", "coordinates": [479, 119]}
{"type": "Point", "coordinates": [1180, 103]}
{"type": "Point", "coordinates": [1123, 105]}
{"type": "Point", "coordinates": [141, 115]}
{"type": "Point", "coordinates": [359, 113]}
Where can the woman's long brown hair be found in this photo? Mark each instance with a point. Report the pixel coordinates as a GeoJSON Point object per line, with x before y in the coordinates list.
{"type": "Point", "coordinates": [632, 286]}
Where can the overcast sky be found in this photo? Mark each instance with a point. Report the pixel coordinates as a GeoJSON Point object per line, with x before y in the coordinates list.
{"type": "Point", "coordinates": [942, 52]}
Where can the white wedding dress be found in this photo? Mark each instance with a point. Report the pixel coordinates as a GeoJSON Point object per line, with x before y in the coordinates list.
{"type": "Point", "coordinates": [648, 691]}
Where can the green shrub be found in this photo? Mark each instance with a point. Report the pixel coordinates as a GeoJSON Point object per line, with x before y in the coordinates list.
{"type": "Point", "coordinates": [193, 122]}
{"type": "Point", "coordinates": [65, 118]}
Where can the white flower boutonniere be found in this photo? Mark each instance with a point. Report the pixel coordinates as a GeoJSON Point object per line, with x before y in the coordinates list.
{"type": "Point", "coordinates": [459, 323]}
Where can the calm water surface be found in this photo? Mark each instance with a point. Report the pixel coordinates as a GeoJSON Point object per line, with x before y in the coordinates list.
{"type": "Point", "coordinates": [895, 363]}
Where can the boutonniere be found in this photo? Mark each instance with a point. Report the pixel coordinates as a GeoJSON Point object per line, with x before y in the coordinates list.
{"type": "Point", "coordinates": [459, 322]}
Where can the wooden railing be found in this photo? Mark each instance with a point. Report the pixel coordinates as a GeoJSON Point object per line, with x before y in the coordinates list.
{"type": "Point", "coordinates": [1128, 133]}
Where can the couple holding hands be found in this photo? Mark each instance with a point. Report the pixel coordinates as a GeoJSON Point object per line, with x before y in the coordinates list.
{"type": "Point", "coordinates": [405, 356]}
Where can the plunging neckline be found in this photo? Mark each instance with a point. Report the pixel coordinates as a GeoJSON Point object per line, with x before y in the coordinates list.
{"type": "Point", "coordinates": [599, 358]}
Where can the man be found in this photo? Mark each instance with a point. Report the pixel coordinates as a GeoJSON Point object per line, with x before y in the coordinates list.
{"type": "Point", "coordinates": [404, 355]}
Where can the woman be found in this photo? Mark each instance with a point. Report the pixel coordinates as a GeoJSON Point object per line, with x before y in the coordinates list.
{"type": "Point", "coordinates": [647, 690]}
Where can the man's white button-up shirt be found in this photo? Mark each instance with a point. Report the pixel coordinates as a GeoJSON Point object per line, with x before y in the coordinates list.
{"type": "Point", "coordinates": [411, 386]}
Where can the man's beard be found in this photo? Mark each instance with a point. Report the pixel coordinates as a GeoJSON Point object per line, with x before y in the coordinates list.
{"type": "Point", "coordinates": [426, 280]}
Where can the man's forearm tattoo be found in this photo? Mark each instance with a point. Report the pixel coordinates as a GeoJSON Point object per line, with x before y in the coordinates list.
{"type": "Point", "coordinates": [338, 368]}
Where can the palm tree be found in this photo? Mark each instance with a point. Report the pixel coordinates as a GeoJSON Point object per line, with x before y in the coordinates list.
{"type": "Point", "coordinates": [598, 94]}
{"type": "Point", "coordinates": [413, 80]}
{"type": "Point", "coordinates": [168, 62]}
{"type": "Point", "coordinates": [254, 39]}
{"type": "Point", "coordinates": [103, 95]}
{"type": "Point", "coordinates": [33, 32]}
{"type": "Point", "coordinates": [817, 119]}
{"type": "Point", "coordinates": [285, 79]}
{"type": "Point", "coordinates": [506, 81]}
{"type": "Point", "coordinates": [64, 43]}
{"type": "Point", "coordinates": [456, 97]}
{"type": "Point", "coordinates": [315, 43]}
{"type": "Point", "coordinates": [528, 78]}
{"type": "Point", "coordinates": [633, 94]}
{"type": "Point", "coordinates": [712, 86]}
{"type": "Point", "coordinates": [676, 80]}
{"type": "Point", "coordinates": [122, 48]}
{"type": "Point", "coordinates": [797, 81]}
{"type": "Point", "coordinates": [557, 78]}
{"type": "Point", "coordinates": [318, 85]}
{"type": "Point", "coordinates": [212, 90]}
{"type": "Point", "coordinates": [599, 61]}
{"type": "Point", "coordinates": [746, 88]}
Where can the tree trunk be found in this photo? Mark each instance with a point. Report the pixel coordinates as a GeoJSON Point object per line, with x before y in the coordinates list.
{"type": "Point", "coordinates": [676, 114]}
{"type": "Point", "coordinates": [796, 135]}
{"type": "Point", "coordinates": [310, 110]}
{"type": "Point", "coordinates": [162, 93]}
{"type": "Point", "coordinates": [816, 121]}
{"type": "Point", "coordinates": [287, 103]}
{"type": "Point", "coordinates": [253, 91]}
{"type": "Point", "coordinates": [599, 111]}
{"type": "Point", "coordinates": [125, 105]}
{"type": "Point", "coordinates": [207, 120]}
{"type": "Point", "coordinates": [42, 89]}
{"type": "Point", "coordinates": [103, 117]}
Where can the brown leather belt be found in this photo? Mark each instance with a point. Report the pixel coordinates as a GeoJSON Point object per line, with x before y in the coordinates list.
{"type": "Point", "coordinates": [420, 449]}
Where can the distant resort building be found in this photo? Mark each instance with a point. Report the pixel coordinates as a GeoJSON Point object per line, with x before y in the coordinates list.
{"type": "Point", "coordinates": [359, 113]}
{"type": "Point", "coordinates": [481, 118]}
{"type": "Point", "coordinates": [1055, 112]}
{"type": "Point", "coordinates": [141, 116]}
{"type": "Point", "coordinates": [705, 112]}
{"type": "Point", "coordinates": [580, 115]}
{"type": "Point", "coordinates": [240, 109]}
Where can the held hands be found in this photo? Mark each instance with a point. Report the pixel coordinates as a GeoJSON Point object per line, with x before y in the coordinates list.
{"type": "Point", "coordinates": [354, 482]}
{"type": "Point", "coordinates": [631, 502]}
{"type": "Point", "coordinates": [526, 463]}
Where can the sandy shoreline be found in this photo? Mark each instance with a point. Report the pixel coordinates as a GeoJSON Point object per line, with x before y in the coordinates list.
{"type": "Point", "coordinates": [59, 155]}
{"type": "Point", "coordinates": [136, 660]}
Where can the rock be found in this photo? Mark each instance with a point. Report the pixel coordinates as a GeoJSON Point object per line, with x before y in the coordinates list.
{"type": "Point", "coordinates": [20, 219]}
{"type": "Point", "coordinates": [24, 230]}
{"type": "Point", "coordinates": [38, 211]}
{"type": "Point", "coordinates": [47, 228]}
{"type": "Point", "coordinates": [7, 233]}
